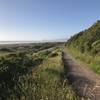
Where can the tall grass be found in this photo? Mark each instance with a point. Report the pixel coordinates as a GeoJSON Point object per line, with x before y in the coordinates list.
{"type": "Point", "coordinates": [48, 84]}
{"type": "Point", "coordinates": [42, 83]}
{"type": "Point", "coordinates": [92, 60]}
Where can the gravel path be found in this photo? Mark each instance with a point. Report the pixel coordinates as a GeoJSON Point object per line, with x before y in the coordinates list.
{"type": "Point", "coordinates": [84, 81]}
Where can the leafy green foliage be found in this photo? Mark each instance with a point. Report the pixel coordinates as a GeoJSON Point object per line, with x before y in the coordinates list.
{"type": "Point", "coordinates": [11, 69]}
{"type": "Point", "coordinates": [88, 40]}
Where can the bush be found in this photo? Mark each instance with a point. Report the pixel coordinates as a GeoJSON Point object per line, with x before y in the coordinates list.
{"type": "Point", "coordinates": [6, 50]}
{"type": "Point", "coordinates": [11, 69]}
{"type": "Point", "coordinates": [53, 54]}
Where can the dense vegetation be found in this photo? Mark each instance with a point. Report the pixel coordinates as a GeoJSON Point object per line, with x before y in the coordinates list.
{"type": "Point", "coordinates": [88, 40]}
{"type": "Point", "coordinates": [86, 46]}
{"type": "Point", "coordinates": [33, 73]}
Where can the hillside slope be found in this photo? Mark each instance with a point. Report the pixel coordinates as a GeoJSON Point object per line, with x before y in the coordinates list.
{"type": "Point", "coordinates": [87, 40]}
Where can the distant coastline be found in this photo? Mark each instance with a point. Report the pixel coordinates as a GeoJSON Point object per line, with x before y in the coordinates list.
{"type": "Point", "coordinates": [24, 42]}
{"type": "Point", "coordinates": [16, 42]}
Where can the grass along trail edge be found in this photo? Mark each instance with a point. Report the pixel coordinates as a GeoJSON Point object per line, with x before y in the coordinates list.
{"type": "Point", "coordinates": [48, 85]}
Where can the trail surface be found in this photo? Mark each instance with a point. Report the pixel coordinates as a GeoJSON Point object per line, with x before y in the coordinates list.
{"type": "Point", "coordinates": [84, 81]}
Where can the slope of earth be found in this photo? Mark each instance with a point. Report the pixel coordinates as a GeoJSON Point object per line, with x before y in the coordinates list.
{"type": "Point", "coordinates": [87, 40]}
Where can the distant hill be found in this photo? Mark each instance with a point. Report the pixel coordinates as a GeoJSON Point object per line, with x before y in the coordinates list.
{"type": "Point", "coordinates": [87, 40]}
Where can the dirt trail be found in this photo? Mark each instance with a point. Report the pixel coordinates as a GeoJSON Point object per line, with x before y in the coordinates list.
{"type": "Point", "coordinates": [84, 81]}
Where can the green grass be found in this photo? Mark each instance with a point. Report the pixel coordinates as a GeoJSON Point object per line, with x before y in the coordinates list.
{"type": "Point", "coordinates": [43, 82]}
{"type": "Point", "coordinates": [48, 80]}
{"type": "Point", "coordinates": [93, 61]}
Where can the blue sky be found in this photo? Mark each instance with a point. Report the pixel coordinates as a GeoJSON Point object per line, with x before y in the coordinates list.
{"type": "Point", "coordinates": [46, 19]}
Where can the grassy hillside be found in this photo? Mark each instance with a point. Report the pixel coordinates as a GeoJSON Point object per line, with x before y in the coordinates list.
{"type": "Point", "coordinates": [87, 40]}
{"type": "Point", "coordinates": [33, 75]}
{"type": "Point", "coordinates": [86, 46]}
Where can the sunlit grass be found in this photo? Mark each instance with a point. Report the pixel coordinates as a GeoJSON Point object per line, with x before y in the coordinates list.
{"type": "Point", "coordinates": [92, 60]}
{"type": "Point", "coordinates": [43, 79]}
{"type": "Point", "coordinates": [48, 76]}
